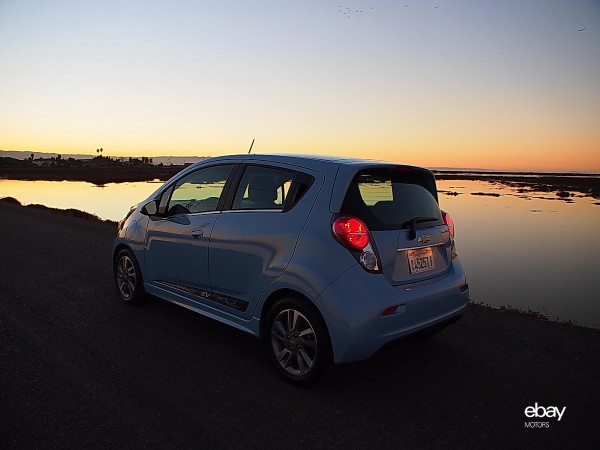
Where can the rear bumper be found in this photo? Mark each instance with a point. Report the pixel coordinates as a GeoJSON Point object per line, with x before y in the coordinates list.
{"type": "Point", "coordinates": [353, 309]}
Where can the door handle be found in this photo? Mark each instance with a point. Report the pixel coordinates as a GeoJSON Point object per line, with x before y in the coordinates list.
{"type": "Point", "coordinates": [198, 234]}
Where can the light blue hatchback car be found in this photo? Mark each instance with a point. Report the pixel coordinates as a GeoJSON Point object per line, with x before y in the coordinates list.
{"type": "Point", "coordinates": [326, 258]}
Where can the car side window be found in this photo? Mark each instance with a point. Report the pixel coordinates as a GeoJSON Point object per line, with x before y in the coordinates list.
{"type": "Point", "coordinates": [263, 188]}
{"type": "Point", "coordinates": [198, 191]}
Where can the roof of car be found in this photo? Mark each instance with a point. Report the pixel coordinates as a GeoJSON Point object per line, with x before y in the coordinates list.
{"type": "Point", "coordinates": [305, 158]}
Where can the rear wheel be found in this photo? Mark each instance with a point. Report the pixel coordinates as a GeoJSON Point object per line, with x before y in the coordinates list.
{"type": "Point", "coordinates": [298, 341]}
{"type": "Point", "coordinates": [128, 278]}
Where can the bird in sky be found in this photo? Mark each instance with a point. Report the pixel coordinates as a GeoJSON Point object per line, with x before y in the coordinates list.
{"type": "Point", "coordinates": [347, 12]}
{"type": "Point", "coordinates": [581, 29]}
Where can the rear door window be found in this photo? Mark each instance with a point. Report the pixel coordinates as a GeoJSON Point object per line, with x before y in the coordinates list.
{"type": "Point", "coordinates": [387, 199]}
{"type": "Point", "coordinates": [263, 188]}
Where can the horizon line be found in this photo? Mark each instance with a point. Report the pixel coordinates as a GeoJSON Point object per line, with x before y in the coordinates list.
{"type": "Point", "coordinates": [435, 168]}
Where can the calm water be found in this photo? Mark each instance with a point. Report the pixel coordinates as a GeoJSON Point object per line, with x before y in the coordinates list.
{"type": "Point", "coordinates": [111, 201]}
{"type": "Point", "coordinates": [533, 252]}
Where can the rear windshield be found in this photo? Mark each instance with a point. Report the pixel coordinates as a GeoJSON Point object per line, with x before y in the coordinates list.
{"type": "Point", "coordinates": [387, 199]}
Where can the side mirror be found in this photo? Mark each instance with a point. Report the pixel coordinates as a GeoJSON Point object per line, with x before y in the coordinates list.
{"type": "Point", "coordinates": [150, 209]}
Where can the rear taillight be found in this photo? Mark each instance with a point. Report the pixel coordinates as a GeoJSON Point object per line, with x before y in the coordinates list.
{"type": "Point", "coordinates": [354, 234]}
{"type": "Point", "coordinates": [450, 224]}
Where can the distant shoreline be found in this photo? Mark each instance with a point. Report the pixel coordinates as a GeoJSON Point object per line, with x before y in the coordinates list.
{"type": "Point", "coordinates": [565, 185]}
{"type": "Point", "coordinates": [96, 175]}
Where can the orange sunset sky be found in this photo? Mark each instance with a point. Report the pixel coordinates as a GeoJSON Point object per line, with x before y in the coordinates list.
{"type": "Point", "coordinates": [481, 84]}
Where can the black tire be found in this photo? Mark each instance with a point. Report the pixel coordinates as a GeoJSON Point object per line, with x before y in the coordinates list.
{"type": "Point", "coordinates": [128, 278]}
{"type": "Point", "coordinates": [297, 341]}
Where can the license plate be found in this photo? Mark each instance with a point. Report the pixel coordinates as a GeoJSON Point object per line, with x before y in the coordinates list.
{"type": "Point", "coordinates": [420, 260]}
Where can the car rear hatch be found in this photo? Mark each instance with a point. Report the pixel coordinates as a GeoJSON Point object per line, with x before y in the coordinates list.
{"type": "Point", "coordinates": [398, 204]}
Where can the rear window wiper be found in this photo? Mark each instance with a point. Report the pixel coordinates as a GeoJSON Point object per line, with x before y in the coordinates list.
{"type": "Point", "coordinates": [412, 225]}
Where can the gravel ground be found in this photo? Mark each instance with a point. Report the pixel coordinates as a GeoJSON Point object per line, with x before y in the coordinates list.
{"type": "Point", "coordinates": [79, 369]}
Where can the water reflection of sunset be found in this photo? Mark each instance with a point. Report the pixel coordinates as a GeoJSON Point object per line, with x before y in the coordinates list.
{"type": "Point", "coordinates": [527, 250]}
{"type": "Point", "coordinates": [111, 201]}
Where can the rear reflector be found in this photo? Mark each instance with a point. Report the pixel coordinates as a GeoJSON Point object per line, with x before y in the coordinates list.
{"type": "Point", "coordinates": [464, 288]}
{"type": "Point", "coordinates": [449, 222]}
{"type": "Point", "coordinates": [389, 311]}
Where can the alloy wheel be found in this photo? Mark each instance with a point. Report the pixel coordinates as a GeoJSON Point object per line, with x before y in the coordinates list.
{"type": "Point", "coordinates": [126, 277]}
{"type": "Point", "coordinates": [294, 342]}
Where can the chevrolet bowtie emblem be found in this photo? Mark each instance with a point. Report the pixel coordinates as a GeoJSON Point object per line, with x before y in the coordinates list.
{"type": "Point", "coordinates": [424, 239]}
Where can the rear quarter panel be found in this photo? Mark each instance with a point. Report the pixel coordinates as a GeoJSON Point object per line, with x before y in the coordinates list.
{"type": "Point", "coordinates": [318, 259]}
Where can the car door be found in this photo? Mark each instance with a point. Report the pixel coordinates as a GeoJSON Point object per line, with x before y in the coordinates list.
{"type": "Point", "coordinates": [253, 242]}
{"type": "Point", "coordinates": [177, 238]}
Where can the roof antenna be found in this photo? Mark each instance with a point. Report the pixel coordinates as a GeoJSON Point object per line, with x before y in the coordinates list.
{"type": "Point", "coordinates": [250, 149]}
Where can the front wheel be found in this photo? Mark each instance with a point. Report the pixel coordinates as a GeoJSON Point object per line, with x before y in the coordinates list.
{"type": "Point", "coordinates": [128, 278]}
{"type": "Point", "coordinates": [298, 341]}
